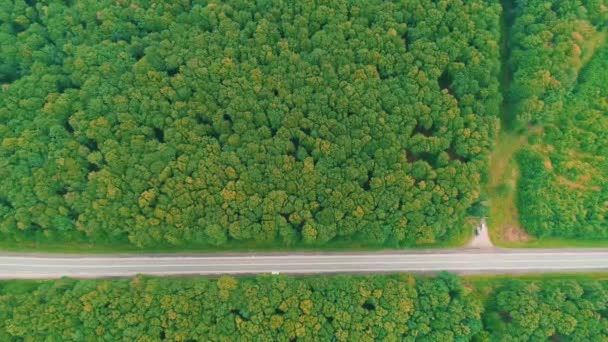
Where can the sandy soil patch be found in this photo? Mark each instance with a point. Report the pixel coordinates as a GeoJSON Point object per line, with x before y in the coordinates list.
{"type": "Point", "coordinates": [576, 185]}
{"type": "Point", "coordinates": [513, 233]}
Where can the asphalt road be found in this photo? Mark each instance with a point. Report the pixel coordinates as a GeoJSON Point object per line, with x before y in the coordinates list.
{"type": "Point", "coordinates": [462, 261]}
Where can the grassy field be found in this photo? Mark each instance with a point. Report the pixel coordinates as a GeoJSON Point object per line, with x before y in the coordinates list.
{"type": "Point", "coordinates": [554, 243]}
{"type": "Point", "coordinates": [503, 220]}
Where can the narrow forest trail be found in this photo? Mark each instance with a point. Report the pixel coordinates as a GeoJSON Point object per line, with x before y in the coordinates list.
{"type": "Point", "coordinates": [503, 221]}
{"type": "Point", "coordinates": [506, 74]}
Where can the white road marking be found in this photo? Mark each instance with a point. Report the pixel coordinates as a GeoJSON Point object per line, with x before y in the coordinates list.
{"type": "Point", "coordinates": [461, 261]}
{"type": "Point", "coordinates": [387, 262]}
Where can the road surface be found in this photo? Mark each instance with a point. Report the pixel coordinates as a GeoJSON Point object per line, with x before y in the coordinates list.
{"type": "Point", "coordinates": [462, 261]}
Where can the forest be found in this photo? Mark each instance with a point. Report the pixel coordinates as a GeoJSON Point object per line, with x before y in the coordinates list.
{"type": "Point", "coordinates": [340, 308]}
{"type": "Point", "coordinates": [560, 63]}
{"type": "Point", "coordinates": [168, 123]}
{"type": "Point", "coordinates": [574, 309]}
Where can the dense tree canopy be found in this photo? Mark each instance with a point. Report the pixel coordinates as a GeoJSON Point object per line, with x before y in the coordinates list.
{"type": "Point", "coordinates": [280, 308]}
{"type": "Point", "coordinates": [563, 191]}
{"type": "Point", "coordinates": [173, 122]}
{"type": "Point", "coordinates": [550, 43]}
{"type": "Point", "coordinates": [340, 308]}
{"type": "Point", "coordinates": [552, 310]}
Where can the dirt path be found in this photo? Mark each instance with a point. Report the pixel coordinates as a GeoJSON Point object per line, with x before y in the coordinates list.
{"type": "Point", "coordinates": [481, 239]}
